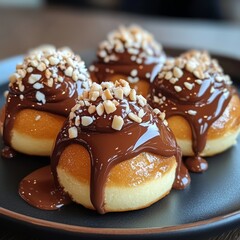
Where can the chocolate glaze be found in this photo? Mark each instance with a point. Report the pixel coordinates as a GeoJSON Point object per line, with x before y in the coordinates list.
{"type": "Point", "coordinates": [128, 49]}
{"type": "Point", "coordinates": [38, 189]}
{"type": "Point", "coordinates": [196, 164]}
{"type": "Point", "coordinates": [59, 100]}
{"type": "Point", "coordinates": [124, 65]}
{"type": "Point", "coordinates": [108, 147]}
{"type": "Point", "coordinates": [208, 106]}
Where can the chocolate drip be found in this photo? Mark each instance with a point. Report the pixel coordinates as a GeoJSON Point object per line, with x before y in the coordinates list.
{"type": "Point", "coordinates": [196, 164]}
{"type": "Point", "coordinates": [182, 179]}
{"type": "Point", "coordinates": [201, 107]}
{"type": "Point", "coordinates": [107, 148]}
{"type": "Point", "coordinates": [38, 189]}
{"type": "Point", "coordinates": [59, 100]}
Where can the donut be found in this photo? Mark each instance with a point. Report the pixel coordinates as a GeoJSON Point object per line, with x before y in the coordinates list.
{"type": "Point", "coordinates": [115, 153]}
{"type": "Point", "coordinates": [201, 105]}
{"type": "Point", "coordinates": [130, 53]}
{"type": "Point", "coordinates": [41, 93]}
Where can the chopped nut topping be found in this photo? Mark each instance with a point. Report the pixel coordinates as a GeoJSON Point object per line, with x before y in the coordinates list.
{"type": "Point", "coordinates": [200, 65]}
{"type": "Point", "coordinates": [198, 74]}
{"type": "Point", "coordinates": [168, 75]}
{"type": "Point", "coordinates": [37, 85]}
{"type": "Point", "coordinates": [69, 71]}
{"type": "Point", "coordinates": [86, 120]}
{"type": "Point", "coordinates": [173, 80]}
{"type": "Point", "coordinates": [13, 78]}
{"type": "Point", "coordinates": [77, 121]}
{"type": "Point", "coordinates": [134, 73]}
{"type": "Point", "coordinates": [116, 103]}
{"type": "Point", "coordinates": [156, 99]}
{"type": "Point", "coordinates": [134, 117]}
{"type": "Point", "coordinates": [117, 122]}
{"type": "Point", "coordinates": [92, 109]}
{"type": "Point", "coordinates": [198, 81]}
{"type": "Point", "coordinates": [93, 95]}
{"type": "Point", "coordinates": [41, 67]}
{"type": "Point", "coordinates": [197, 62]}
{"type": "Point", "coordinates": [162, 116]}
{"type": "Point", "coordinates": [76, 107]}
{"type": "Point", "coordinates": [188, 85]}
{"type": "Point", "coordinates": [48, 74]}
{"type": "Point", "coordinates": [156, 111]}
{"type": "Point", "coordinates": [141, 100]}
{"type": "Point", "coordinates": [192, 112]}
{"type": "Point", "coordinates": [219, 78]}
{"type": "Point", "coordinates": [40, 97]}
{"type": "Point", "coordinates": [107, 94]}
{"type": "Point", "coordinates": [191, 65]}
{"type": "Point", "coordinates": [29, 70]}
{"type": "Point", "coordinates": [21, 72]}
{"type": "Point", "coordinates": [21, 88]}
{"type": "Point", "coordinates": [177, 72]}
{"type": "Point", "coordinates": [109, 106]}
{"type": "Point", "coordinates": [54, 60]}
{"type": "Point", "coordinates": [133, 95]}
{"type": "Point", "coordinates": [178, 88]}
{"type": "Point", "coordinates": [95, 102]}
{"type": "Point", "coordinates": [72, 132]}
{"type": "Point", "coordinates": [107, 85]}
{"type": "Point", "coordinates": [118, 92]}
{"type": "Point", "coordinates": [100, 109]}
{"type": "Point", "coordinates": [50, 82]}
{"type": "Point", "coordinates": [96, 87]}
{"type": "Point", "coordinates": [34, 78]}
{"type": "Point", "coordinates": [134, 40]}
{"type": "Point", "coordinates": [47, 62]}
{"type": "Point", "coordinates": [161, 75]}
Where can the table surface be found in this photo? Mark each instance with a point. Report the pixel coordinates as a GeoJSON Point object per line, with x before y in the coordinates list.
{"type": "Point", "coordinates": [22, 29]}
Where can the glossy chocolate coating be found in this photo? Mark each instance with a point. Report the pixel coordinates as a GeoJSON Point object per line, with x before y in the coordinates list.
{"type": "Point", "coordinates": [146, 71]}
{"type": "Point", "coordinates": [130, 52]}
{"type": "Point", "coordinates": [38, 189]}
{"type": "Point", "coordinates": [108, 147]}
{"type": "Point", "coordinates": [201, 106]}
{"type": "Point", "coordinates": [60, 98]}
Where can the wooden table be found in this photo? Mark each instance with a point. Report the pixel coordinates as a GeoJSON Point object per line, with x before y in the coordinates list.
{"type": "Point", "coordinates": [81, 30]}
{"type": "Point", "coordinates": [24, 29]}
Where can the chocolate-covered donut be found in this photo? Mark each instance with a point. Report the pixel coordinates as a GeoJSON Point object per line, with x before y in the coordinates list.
{"type": "Point", "coordinates": [194, 87]}
{"type": "Point", "coordinates": [48, 80]}
{"type": "Point", "coordinates": [113, 124]}
{"type": "Point", "coordinates": [130, 53]}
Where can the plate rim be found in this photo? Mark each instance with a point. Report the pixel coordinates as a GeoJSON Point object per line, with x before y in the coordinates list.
{"type": "Point", "coordinates": [211, 224]}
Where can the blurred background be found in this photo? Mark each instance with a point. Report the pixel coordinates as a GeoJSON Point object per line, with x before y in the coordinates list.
{"type": "Point", "coordinates": [213, 25]}
{"type": "Point", "coordinates": [227, 10]}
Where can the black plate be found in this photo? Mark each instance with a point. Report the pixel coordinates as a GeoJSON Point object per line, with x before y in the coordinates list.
{"type": "Point", "coordinates": [211, 203]}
